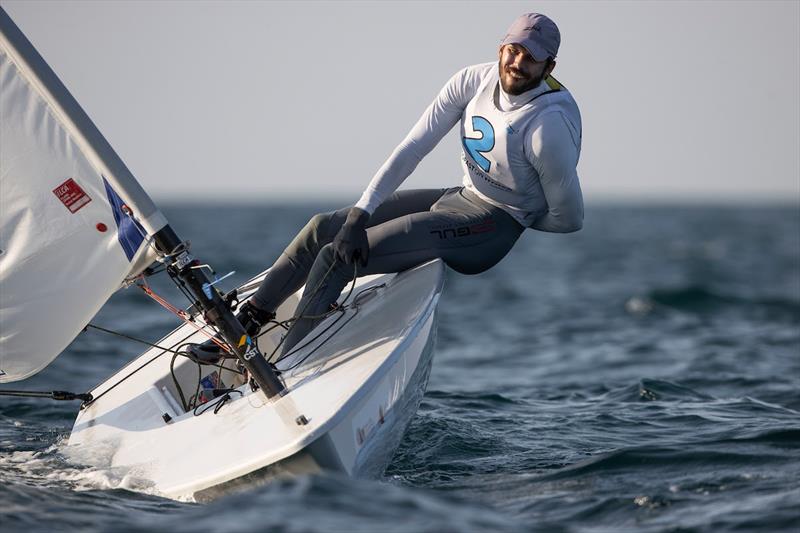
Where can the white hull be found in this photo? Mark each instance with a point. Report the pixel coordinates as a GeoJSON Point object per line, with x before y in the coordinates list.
{"type": "Point", "coordinates": [358, 393]}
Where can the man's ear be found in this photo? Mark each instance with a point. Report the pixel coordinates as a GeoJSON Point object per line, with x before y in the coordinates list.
{"type": "Point", "coordinates": [549, 68]}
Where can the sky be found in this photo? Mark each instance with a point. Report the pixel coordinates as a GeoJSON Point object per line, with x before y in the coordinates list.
{"type": "Point", "coordinates": [285, 101]}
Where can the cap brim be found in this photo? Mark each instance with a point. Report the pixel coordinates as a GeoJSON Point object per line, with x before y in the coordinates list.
{"type": "Point", "coordinates": [537, 52]}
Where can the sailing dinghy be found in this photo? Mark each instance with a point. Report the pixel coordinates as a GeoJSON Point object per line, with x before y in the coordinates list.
{"type": "Point", "coordinates": [351, 394]}
{"type": "Point", "coordinates": [75, 226]}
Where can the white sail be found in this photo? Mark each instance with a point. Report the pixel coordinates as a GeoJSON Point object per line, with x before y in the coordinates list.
{"type": "Point", "coordinates": [74, 222]}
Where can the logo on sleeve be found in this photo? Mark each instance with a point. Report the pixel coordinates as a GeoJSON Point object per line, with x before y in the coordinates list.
{"type": "Point", "coordinates": [477, 146]}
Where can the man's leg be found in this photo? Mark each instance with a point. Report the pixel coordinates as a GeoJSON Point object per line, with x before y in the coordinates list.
{"type": "Point", "coordinates": [290, 271]}
{"type": "Point", "coordinates": [467, 233]}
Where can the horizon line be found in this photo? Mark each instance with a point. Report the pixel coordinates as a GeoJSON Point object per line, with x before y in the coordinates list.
{"type": "Point", "coordinates": [589, 200]}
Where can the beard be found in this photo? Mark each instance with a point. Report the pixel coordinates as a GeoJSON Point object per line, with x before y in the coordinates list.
{"type": "Point", "coordinates": [515, 86]}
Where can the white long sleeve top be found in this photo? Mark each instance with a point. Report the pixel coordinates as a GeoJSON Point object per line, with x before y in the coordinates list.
{"type": "Point", "coordinates": [520, 152]}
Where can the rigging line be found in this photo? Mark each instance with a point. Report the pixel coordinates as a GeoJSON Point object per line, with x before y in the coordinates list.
{"type": "Point", "coordinates": [178, 343]}
{"type": "Point", "coordinates": [321, 344]}
{"type": "Point", "coordinates": [112, 387]}
{"type": "Point", "coordinates": [341, 308]}
{"type": "Point", "coordinates": [217, 402]}
{"type": "Point", "coordinates": [52, 395]}
{"type": "Point", "coordinates": [197, 390]}
{"type": "Point", "coordinates": [183, 290]}
{"type": "Point", "coordinates": [150, 272]}
{"type": "Point", "coordinates": [275, 325]}
{"type": "Point", "coordinates": [294, 321]}
{"type": "Point", "coordinates": [311, 352]}
{"type": "Point", "coordinates": [177, 385]}
{"type": "Point", "coordinates": [161, 301]}
{"type": "Point", "coordinates": [338, 307]}
{"type": "Point", "coordinates": [183, 315]}
{"type": "Point", "coordinates": [296, 349]}
{"type": "Point", "coordinates": [220, 366]}
{"type": "Point", "coordinates": [164, 350]}
{"type": "Point", "coordinates": [129, 337]}
{"type": "Point", "coordinates": [178, 312]}
{"type": "Point", "coordinates": [317, 336]}
{"type": "Point", "coordinates": [222, 402]}
{"type": "Point", "coordinates": [310, 298]}
{"type": "Point", "coordinates": [178, 282]}
{"type": "Point", "coordinates": [155, 271]}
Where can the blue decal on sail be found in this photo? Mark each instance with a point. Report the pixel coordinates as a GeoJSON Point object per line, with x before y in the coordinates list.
{"type": "Point", "coordinates": [129, 232]}
{"type": "Point", "coordinates": [484, 143]}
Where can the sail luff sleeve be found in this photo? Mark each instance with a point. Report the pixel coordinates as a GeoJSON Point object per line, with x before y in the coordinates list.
{"type": "Point", "coordinates": [84, 132]}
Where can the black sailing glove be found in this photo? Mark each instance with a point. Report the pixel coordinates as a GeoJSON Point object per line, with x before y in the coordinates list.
{"type": "Point", "coordinates": [351, 243]}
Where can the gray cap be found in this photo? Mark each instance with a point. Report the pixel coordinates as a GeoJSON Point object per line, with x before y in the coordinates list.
{"type": "Point", "coordinates": [537, 33]}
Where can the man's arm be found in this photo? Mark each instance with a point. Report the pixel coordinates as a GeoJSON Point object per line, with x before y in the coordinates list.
{"type": "Point", "coordinates": [444, 113]}
{"type": "Point", "coordinates": [554, 152]}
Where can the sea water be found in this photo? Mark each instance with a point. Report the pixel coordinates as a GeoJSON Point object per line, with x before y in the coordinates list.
{"type": "Point", "coordinates": [642, 374]}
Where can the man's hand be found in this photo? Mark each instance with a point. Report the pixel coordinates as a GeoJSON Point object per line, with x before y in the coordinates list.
{"type": "Point", "coordinates": [351, 243]}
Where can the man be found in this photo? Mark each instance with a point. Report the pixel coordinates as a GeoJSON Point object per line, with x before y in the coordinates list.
{"type": "Point", "coordinates": [521, 136]}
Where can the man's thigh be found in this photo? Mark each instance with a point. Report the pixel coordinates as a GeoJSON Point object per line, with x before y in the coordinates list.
{"type": "Point", "coordinates": [405, 202]}
{"type": "Point", "coordinates": [468, 241]}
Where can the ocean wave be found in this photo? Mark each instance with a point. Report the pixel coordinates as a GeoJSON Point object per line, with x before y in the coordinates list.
{"type": "Point", "coordinates": [788, 438]}
{"type": "Point", "coordinates": [335, 503]}
{"type": "Point", "coordinates": [699, 299]}
{"type": "Point", "coordinates": [473, 400]}
{"type": "Point", "coordinates": [33, 508]}
{"type": "Point", "coordinates": [79, 469]}
{"type": "Point", "coordinates": [652, 458]}
{"type": "Point", "coordinates": [648, 390]}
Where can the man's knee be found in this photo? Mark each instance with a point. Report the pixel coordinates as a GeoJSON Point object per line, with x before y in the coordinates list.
{"type": "Point", "coordinates": [328, 264]}
{"type": "Point", "coordinates": [318, 223]}
{"type": "Point", "coordinates": [311, 237]}
{"type": "Point", "coordinates": [327, 255]}
{"type": "Point", "coordinates": [319, 229]}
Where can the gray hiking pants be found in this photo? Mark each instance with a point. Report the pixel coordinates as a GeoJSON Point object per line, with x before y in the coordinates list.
{"type": "Point", "coordinates": [408, 229]}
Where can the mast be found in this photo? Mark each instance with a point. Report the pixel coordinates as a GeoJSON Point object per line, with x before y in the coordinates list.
{"type": "Point", "coordinates": [73, 141]}
{"type": "Point", "coordinates": [218, 313]}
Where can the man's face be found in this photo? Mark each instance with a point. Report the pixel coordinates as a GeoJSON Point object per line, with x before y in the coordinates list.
{"type": "Point", "coordinates": [519, 72]}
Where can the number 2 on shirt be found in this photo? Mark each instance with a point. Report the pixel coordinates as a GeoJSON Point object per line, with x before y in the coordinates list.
{"type": "Point", "coordinates": [476, 147]}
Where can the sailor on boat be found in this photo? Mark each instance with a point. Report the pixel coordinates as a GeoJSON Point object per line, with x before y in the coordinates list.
{"type": "Point", "coordinates": [521, 140]}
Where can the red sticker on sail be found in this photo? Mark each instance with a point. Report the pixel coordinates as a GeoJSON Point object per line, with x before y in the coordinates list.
{"type": "Point", "coordinates": [71, 195]}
